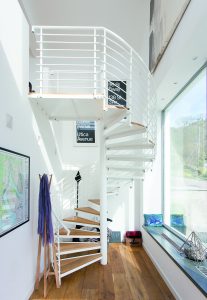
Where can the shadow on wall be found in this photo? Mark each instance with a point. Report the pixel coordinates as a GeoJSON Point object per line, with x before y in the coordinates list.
{"type": "Point", "coordinates": [18, 135]}
{"type": "Point", "coordinates": [66, 194]}
{"type": "Point", "coordinates": [121, 210]}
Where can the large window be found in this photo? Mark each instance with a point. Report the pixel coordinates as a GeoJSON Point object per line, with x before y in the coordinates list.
{"type": "Point", "coordinates": [185, 159]}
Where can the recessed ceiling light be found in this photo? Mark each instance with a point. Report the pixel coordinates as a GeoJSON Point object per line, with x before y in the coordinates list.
{"type": "Point", "coordinates": [195, 57]}
{"type": "Point", "coordinates": [175, 82]}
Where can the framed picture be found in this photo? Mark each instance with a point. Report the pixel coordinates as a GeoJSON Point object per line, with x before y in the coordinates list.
{"type": "Point", "coordinates": [165, 17]}
{"type": "Point", "coordinates": [85, 133]}
{"type": "Point", "coordinates": [14, 190]}
{"type": "Point", "coordinates": [117, 92]}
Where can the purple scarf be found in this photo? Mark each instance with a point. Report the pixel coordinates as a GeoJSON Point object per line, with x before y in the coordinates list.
{"type": "Point", "coordinates": [45, 211]}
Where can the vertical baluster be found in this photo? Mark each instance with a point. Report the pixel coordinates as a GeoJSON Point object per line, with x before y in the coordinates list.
{"type": "Point", "coordinates": [103, 195]}
{"type": "Point", "coordinates": [41, 61]}
{"type": "Point", "coordinates": [58, 244]}
{"type": "Point", "coordinates": [95, 63]}
{"type": "Point", "coordinates": [104, 72]}
{"type": "Point", "coordinates": [129, 102]}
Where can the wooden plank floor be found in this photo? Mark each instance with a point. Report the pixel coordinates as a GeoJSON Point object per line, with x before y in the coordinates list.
{"type": "Point", "coordinates": [129, 275]}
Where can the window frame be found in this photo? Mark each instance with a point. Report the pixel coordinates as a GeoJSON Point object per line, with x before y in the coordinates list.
{"type": "Point", "coordinates": [163, 204]}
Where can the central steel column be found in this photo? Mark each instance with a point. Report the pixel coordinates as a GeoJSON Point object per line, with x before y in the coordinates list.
{"type": "Point", "coordinates": [103, 195]}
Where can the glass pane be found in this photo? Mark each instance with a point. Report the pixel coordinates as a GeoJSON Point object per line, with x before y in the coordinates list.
{"type": "Point", "coordinates": [185, 159]}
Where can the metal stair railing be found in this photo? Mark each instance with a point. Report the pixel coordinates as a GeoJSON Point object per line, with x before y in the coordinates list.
{"type": "Point", "coordinates": [82, 61]}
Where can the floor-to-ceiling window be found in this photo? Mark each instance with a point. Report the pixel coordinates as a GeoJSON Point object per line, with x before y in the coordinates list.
{"type": "Point", "coordinates": [185, 158]}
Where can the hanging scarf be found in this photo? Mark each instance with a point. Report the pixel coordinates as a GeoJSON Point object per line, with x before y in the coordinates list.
{"type": "Point", "coordinates": [44, 216]}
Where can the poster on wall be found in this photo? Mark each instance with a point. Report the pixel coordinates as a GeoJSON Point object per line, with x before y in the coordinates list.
{"type": "Point", "coordinates": [165, 17]}
{"type": "Point", "coordinates": [14, 190]}
{"type": "Point", "coordinates": [85, 132]}
{"type": "Point", "coordinates": [117, 93]}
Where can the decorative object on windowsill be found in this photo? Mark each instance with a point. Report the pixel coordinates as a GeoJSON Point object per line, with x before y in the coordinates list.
{"type": "Point", "coordinates": [193, 248]}
{"type": "Point", "coordinates": [154, 220]}
{"type": "Point", "coordinates": [177, 220]}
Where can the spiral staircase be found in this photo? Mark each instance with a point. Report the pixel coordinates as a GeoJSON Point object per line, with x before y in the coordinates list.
{"type": "Point", "coordinates": [90, 73]}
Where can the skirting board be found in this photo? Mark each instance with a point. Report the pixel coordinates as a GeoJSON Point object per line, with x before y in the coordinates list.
{"type": "Point", "coordinates": [30, 292]}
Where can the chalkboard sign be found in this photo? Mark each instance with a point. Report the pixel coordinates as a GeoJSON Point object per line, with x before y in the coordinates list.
{"type": "Point", "coordinates": [85, 132]}
{"type": "Point", "coordinates": [117, 93]}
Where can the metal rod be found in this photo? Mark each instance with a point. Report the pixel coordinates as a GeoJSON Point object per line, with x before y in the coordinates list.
{"type": "Point", "coordinates": [104, 71]}
{"type": "Point", "coordinates": [64, 42]}
{"type": "Point", "coordinates": [41, 62]}
{"type": "Point", "coordinates": [95, 63]}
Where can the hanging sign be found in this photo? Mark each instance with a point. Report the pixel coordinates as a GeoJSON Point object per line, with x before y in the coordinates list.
{"type": "Point", "coordinates": [85, 132]}
{"type": "Point", "coordinates": [117, 93]}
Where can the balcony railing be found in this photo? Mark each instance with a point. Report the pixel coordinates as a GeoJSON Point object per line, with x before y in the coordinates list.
{"type": "Point", "coordinates": [94, 62]}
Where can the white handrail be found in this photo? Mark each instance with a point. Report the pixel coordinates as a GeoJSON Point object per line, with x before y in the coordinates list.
{"type": "Point", "coordinates": [100, 56]}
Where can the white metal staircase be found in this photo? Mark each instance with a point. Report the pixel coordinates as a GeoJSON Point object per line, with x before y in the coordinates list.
{"type": "Point", "coordinates": [90, 73]}
{"type": "Point", "coordinates": [85, 250]}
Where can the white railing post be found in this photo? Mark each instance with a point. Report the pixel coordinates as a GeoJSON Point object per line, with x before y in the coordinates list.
{"type": "Point", "coordinates": [105, 89]}
{"type": "Point", "coordinates": [58, 250]}
{"type": "Point", "coordinates": [95, 64]}
{"type": "Point", "coordinates": [103, 196]}
{"type": "Point", "coordinates": [148, 107]}
{"type": "Point", "coordinates": [41, 62]}
{"type": "Point", "coordinates": [130, 106]}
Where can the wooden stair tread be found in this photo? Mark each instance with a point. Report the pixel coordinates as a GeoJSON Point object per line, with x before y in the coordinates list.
{"type": "Point", "coordinates": [137, 124]}
{"type": "Point", "coordinates": [88, 210]}
{"type": "Point", "coordinates": [124, 130]}
{"type": "Point", "coordinates": [77, 262]}
{"type": "Point", "coordinates": [95, 201]}
{"type": "Point", "coordinates": [78, 232]}
{"type": "Point", "coordinates": [64, 247]}
{"type": "Point", "coordinates": [81, 220]}
{"type": "Point", "coordinates": [117, 107]}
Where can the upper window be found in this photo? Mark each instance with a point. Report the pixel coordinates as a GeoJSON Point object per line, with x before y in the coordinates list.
{"type": "Point", "coordinates": [185, 159]}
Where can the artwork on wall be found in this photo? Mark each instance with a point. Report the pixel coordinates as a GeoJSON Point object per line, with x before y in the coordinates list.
{"type": "Point", "coordinates": [165, 17]}
{"type": "Point", "coordinates": [85, 132]}
{"type": "Point", "coordinates": [14, 190]}
{"type": "Point", "coordinates": [117, 93]}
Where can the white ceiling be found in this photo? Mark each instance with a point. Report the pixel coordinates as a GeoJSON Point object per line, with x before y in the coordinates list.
{"type": "Point", "coordinates": [185, 55]}
{"type": "Point", "coordinates": [129, 19]}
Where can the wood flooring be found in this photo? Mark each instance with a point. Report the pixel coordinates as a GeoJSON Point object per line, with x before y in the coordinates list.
{"type": "Point", "coordinates": [129, 275]}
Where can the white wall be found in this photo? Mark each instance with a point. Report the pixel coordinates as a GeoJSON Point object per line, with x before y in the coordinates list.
{"type": "Point", "coordinates": [129, 19]}
{"type": "Point", "coordinates": [184, 56]}
{"type": "Point", "coordinates": [70, 153]}
{"type": "Point", "coordinates": [124, 208]}
{"type": "Point", "coordinates": [73, 158]}
{"type": "Point", "coordinates": [152, 199]}
{"type": "Point", "coordinates": [18, 248]}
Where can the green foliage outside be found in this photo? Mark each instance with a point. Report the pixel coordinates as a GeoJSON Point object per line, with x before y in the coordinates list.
{"type": "Point", "coordinates": [189, 150]}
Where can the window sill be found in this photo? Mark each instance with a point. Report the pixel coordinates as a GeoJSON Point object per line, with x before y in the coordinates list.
{"type": "Point", "coordinates": [186, 265]}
